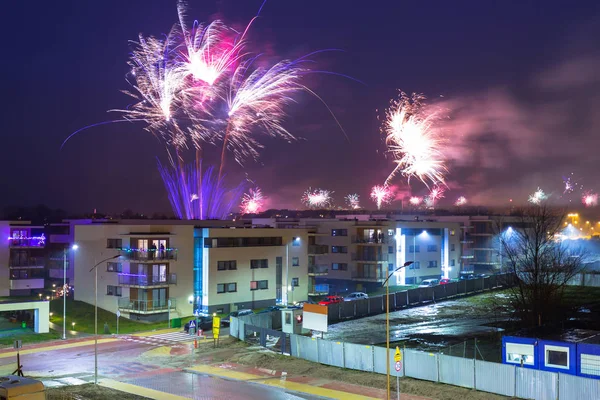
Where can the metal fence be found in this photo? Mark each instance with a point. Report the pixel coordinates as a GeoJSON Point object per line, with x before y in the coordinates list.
{"type": "Point", "coordinates": [503, 379]}
{"type": "Point", "coordinates": [376, 304]}
{"type": "Point", "coordinates": [585, 279]}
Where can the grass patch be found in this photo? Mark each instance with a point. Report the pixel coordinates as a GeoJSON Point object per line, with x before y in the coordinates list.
{"type": "Point", "coordinates": [578, 296]}
{"type": "Point", "coordinates": [27, 337]}
{"type": "Point", "coordinates": [83, 315]}
{"type": "Point", "coordinates": [89, 392]}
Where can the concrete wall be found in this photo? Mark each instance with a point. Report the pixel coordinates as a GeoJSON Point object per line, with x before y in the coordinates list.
{"type": "Point", "coordinates": [41, 314]}
{"type": "Point", "coordinates": [4, 258]}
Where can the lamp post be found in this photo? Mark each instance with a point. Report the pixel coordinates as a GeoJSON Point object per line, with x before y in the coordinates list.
{"type": "Point", "coordinates": [95, 269]}
{"type": "Point", "coordinates": [387, 323]}
{"type": "Point", "coordinates": [74, 247]}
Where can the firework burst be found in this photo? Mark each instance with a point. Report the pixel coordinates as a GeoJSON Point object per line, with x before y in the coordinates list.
{"type": "Point", "coordinates": [252, 202]}
{"type": "Point", "coordinates": [537, 197]}
{"type": "Point", "coordinates": [461, 201]}
{"type": "Point", "coordinates": [353, 201]}
{"type": "Point", "coordinates": [381, 195]}
{"type": "Point", "coordinates": [415, 200]}
{"type": "Point", "coordinates": [414, 141]}
{"type": "Point", "coordinates": [590, 199]}
{"type": "Point", "coordinates": [317, 198]}
{"type": "Point", "coordinates": [436, 193]}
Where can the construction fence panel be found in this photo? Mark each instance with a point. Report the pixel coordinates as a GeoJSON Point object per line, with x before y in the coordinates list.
{"type": "Point", "coordinates": [426, 294]}
{"type": "Point", "coordinates": [362, 308]}
{"type": "Point", "coordinates": [421, 365]}
{"type": "Point", "coordinates": [376, 305]}
{"type": "Point", "coordinates": [234, 327]}
{"type": "Point", "coordinates": [400, 299]}
{"type": "Point", "coordinates": [451, 289]}
{"type": "Point", "coordinates": [495, 378]}
{"type": "Point", "coordinates": [536, 384]}
{"type": "Point", "coordinates": [592, 280]}
{"type": "Point", "coordinates": [358, 356]}
{"type": "Point", "coordinates": [457, 371]}
{"type": "Point", "coordinates": [439, 292]}
{"type": "Point", "coordinates": [414, 296]}
{"type": "Point", "coordinates": [379, 361]}
{"type": "Point", "coordinates": [331, 353]}
{"type": "Point", "coordinates": [572, 387]}
{"type": "Point", "coordinates": [294, 345]}
{"type": "Point", "coordinates": [241, 330]}
{"type": "Point", "coordinates": [333, 313]}
{"type": "Point", "coordinates": [307, 348]}
{"type": "Point", "coordinates": [348, 309]}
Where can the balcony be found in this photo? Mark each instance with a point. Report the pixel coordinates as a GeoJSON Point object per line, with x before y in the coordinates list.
{"type": "Point", "coordinates": [146, 306]}
{"type": "Point", "coordinates": [147, 280]}
{"type": "Point", "coordinates": [318, 270]}
{"type": "Point", "coordinates": [377, 277]}
{"type": "Point", "coordinates": [370, 257]}
{"type": "Point", "coordinates": [25, 284]}
{"type": "Point", "coordinates": [35, 242]}
{"type": "Point", "coordinates": [316, 249]}
{"type": "Point", "coordinates": [318, 290]}
{"type": "Point", "coordinates": [369, 240]}
{"type": "Point", "coordinates": [148, 255]}
{"type": "Point", "coordinates": [31, 262]}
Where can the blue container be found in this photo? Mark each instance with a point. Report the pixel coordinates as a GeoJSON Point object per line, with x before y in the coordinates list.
{"type": "Point", "coordinates": [520, 351]}
{"type": "Point", "coordinates": [557, 356]}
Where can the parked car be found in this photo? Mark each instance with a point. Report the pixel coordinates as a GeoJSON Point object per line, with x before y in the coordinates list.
{"type": "Point", "coordinates": [356, 296]}
{"type": "Point", "coordinates": [204, 323]}
{"type": "Point", "coordinates": [331, 300]}
{"type": "Point", "coordinates": [429, 283]}
{"type": "Point", "coordinates": [300, 304]}
{"type": "Point", "coordinates": [445, 281]}
{"type": "Point", "coordinates": [226, 321]}
{"type": "Point", "coordinates": [466, 277]}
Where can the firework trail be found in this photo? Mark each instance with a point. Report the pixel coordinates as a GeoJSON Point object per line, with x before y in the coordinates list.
{"type": "Point", "coordinates": [435, 194]}
{"type": "Point", "coordinates": [538, 196]}
{"type": "Point", "coordinates": [252, 202]}
{"type": "Point", "coordinates": [590, 199]}
{"type": "Point", "coordinates": [189, 200]}
{"type": "Point", "coordinates": [353, 201]}
{"type": "Point", "coordinates": [381, 195]}
{"type": "Point", "coordinates": [415, 200]}
{"type": "Point", "coordinates": [461, 201]}
{"type": "Point", "coordinates": [317, 198]}
{"type": "Point", "coordinates": [413, 140]}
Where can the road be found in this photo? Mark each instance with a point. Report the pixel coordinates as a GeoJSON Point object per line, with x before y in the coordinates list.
{"type": "Point", "coordinates": [150, 362]}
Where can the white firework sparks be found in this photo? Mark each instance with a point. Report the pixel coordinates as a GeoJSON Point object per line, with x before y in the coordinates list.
{"type": "Point", "coordinates": [381, 195]}
{"type": "Point", "coordinates": [461, 201]}
{"type": "Point", "coordinates": [538, 196]}
{"type": "Point", "coordinates": [317, 198]}
{"type": "Point", "coordinates": [590, 199]}
{"type": "Point", "coordinates": [415, 200]}
{"type": "Point", "coordinates": [353, 201]}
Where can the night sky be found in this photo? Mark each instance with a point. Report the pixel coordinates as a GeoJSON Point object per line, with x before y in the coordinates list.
{"type": "Point", "coordinates": [520, 81]}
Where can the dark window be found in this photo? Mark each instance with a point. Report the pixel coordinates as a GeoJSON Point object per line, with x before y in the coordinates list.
{"type": "Point", "coordinates": [114, 267]}
{"type": "Point", "coordinates": [220, 288]}
{"type": "Point", "coordinates": [555, 357]}
{"type": "Point", "coordinates": [113, 290]}
{"type": "Point", "coordinates": [114, 243]}
{"type": "Point", "coordinates": [413, 249]}
{"type": "Point", "coordinates": [339, 232]}
{"type": "Point", "coordinates": [259, 263]}
{"type": "Point", "coordinates": [390, 267]}
{"type": "Point", "coordinates": [295, 261]}
{"type": "Point", "coordinates": [232, 287]}
{"type": "Point", "coordinates": [415, 265]}
{"type": "Point", "coordinates": [339, 249]}
{"type": "Point", "coordinates": [390, 249]}
{"type": "Point", "coordinates": [452, 247]}
{"type": "Point", "coordinates": [432, 264]}
{"type": "Point", "coordinates": [263, 284]}
{"type": "Point", "coordinates": [431, 247]}
{"type": "Point", "coordinates": [242, 242]}
{"type": "Point", "coordinates": [226, 265]}
{"type": "Point", "coordinates": [452, 262]}
{"type": "Point", "coordinates": [339, 266]}
{"type": "Point", "coordinates": [295, 282]}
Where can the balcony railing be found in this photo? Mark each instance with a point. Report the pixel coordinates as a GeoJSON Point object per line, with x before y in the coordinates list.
{"type": "Point", "coordinates": [318, 270]}
{"type": "Point", "coordinates": [369, 240]}
{"type": "Point", "coordinates": [318, 290]}
{"type": "Point", "coordinates": [377, 277]}
{"type": "Point", "coordinates": [35, 241]}
{"type": "Point", "coordinates": [146, 306]}
{"type": "Point", "coordinates": [149, 255]}
{"type": "Point", "coordinates": [318, 249]}
{"type": "Point", "coordinates": [370, 257]}
{"type": "Point", "coordinates": [147, 280]}
{"type": "Point", "coordinates": [30, 262]}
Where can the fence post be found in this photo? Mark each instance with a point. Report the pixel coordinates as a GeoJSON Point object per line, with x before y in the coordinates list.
{"type": "Point", "coordinates": [474, 374]}
{"type": "Point", "coordinates": [344, 354]}
{"type": "Point", "coordinates": [515, 389]}
{"type": "Point", "coordinates": [437, 359]}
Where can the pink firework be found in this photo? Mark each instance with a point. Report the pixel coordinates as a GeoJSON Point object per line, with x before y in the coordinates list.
{"type": "Point", "coordinates": [461, 201]}
{"type": "Point", "coordinates": [381, 195]}
{"type": "Point", "coordinates": [353, 201]}
{"type": "Point", "coordinates": [317, 198]}
{"type": "Point", "coordinates": [252, 202]}
{"type": "Point", "coordinates": [590, 199]}
{"type": "Point", "coordinates": [436, 193]}
{"type": "Point", "coordinates": [415, 200]}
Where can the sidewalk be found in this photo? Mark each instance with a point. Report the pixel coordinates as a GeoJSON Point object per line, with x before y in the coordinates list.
{"type": "Point", "coordinates": [303, 384]}
{"type": "Point", "coordinates": [53, 345]}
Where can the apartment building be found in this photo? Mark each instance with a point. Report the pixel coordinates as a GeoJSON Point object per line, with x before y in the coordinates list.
{"type": "Point", "coordinates": [148, 269]}
{"type": "Point", "coordinates": [22, 258]}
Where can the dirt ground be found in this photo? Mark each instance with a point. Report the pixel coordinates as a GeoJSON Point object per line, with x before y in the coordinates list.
{"type": "Point", "coordinates": [234, 351]}
{"type": "Point", "coordinates": [88, 392]}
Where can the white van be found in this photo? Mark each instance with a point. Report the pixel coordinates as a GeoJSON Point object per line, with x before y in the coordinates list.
{"type": "Point", "coordinates": [429, 283]}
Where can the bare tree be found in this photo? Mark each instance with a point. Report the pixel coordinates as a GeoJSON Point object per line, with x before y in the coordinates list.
{"type": "Point", "coordinates": [541, 264]}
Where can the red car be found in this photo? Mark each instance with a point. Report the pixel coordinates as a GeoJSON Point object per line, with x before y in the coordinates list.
{"type": "Point", "coordinates": [331, 300]}
{"type": "Point", "coordinates": [445, 281]}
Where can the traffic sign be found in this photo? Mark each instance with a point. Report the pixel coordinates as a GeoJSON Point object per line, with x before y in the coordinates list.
{"type": "Point", "coordinates": [398, 355]}
{"type": "Point", "coordinates": [398, 366]}
{"type": "Point", "coordinates": [192, 324]}
{"type": "Point", "coordinates": [118, 313]}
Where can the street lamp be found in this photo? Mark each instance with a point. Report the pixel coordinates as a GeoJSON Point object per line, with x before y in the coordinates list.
{"type": "Point", "coordinates": [95, 268]}
{"type": "Point", "coordinates": [387, 323]}
{"type": "Point", "coordinates": [74, 247]}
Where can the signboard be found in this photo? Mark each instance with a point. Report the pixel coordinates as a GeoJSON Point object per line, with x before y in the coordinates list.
{"type": "Point", "coordinates": [216, 327]}
{"type": "Point", "coordinates": [398, 366]}
{"type": "Point", "coordinates": [398, 355]}
{"type": "Point", "coordinates": [18, 344]}
{"type": "Point", "coordinates": [315, 317]}
{"type": "Point", "coordinates": [192, 324]}
{"type": "Point", "coordinates": [118, 313]}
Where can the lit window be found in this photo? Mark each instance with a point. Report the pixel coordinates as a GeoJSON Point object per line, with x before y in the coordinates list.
{"type": "Point", "coordinates": [295, 282]}
{"type": "Point", "coordinates": [295, 261]}
{"type": "Point", "coordinates": [517, 353]}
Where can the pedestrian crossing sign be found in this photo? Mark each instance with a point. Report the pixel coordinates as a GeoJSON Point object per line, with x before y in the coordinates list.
{"type": "Point", "coordinates": [192, 324]}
